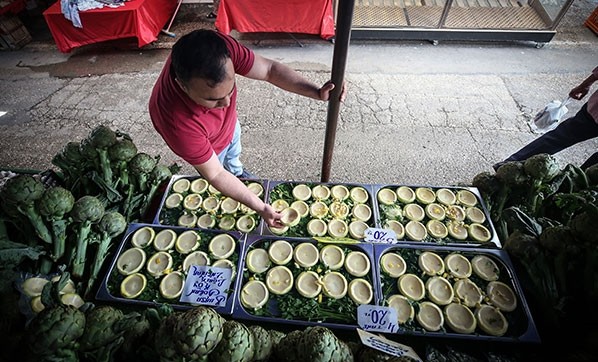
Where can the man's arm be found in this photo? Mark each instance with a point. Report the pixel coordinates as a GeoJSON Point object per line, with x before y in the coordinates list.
{"type": "Point", "coordinates": [231, 186]}
{"type": "Point", "coordinates": [581, 90]}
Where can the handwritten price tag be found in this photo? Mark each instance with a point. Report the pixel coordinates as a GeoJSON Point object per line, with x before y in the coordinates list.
{"type": "Point", "coordinates": [377, 318]}
{"type": "Point", "coordinates": [387, 346]}
{"type": "Point", "coordinates": [384, 236]}
{"type": "Point", "coordinates": [206, 285]}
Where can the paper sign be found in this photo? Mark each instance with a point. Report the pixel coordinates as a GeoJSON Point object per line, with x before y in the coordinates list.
{"type": "Point", "coordinates": [377, 318]}
{"type": "Point", "coordinates": [384, 236]}
{"type": "Point", "coordinates": [387, 346]}
{"type": "Point", "coordinates": [206, 285]}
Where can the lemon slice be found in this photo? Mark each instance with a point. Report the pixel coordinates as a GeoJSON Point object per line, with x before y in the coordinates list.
{"type": "Point", "coordinates": [317, 227]}
{"type": "Point", "coordinates": [192, 202]}
{"type": "Point", "coordinates": [289, 217]}
{"type": "Point", "coordinates": [479, 232]}
{"type": "Point", "coordinates": [320, 192]}
{"type": "Point", "coordinates": [455, 212]}
{"type": "Point", "coordinates": [387, 196]}
{"type": "Point", "coordinates": [405, 311]}
{"type": "Point", "coordinates": [187, 241]}
{"type": "Point", "coordinates": [133, 285]}
{"type": "Point", "coordinates": [332, 257]}
{"type": "Point", "coordinates": [393, 264]}
{"type": "Point", "coordinates": [222, 246]}
{"type": "Point", "coordinates": [280, 252]}
{"type": "Point", "coordinates": [32, 287]}
{"type": "Point", "coordinates": [229, 205]}
{"type": "Point", "coordinates": [459, 318]}
{"type": "Point", "coordinates": [425, 195]}
{"type": "Point", "coordinates": [130, 261]}
{"type": "Point", "coordinates": [361, 212]}
{"type": "Point", "coordinates": [476, 215]}
{"type": "Point", "coordinates": [318, 210]}
{"type": "Point", "coordinates": [181, 185]}
{"type": "Point", "coordinates": [457, 230]}
{"type": "Point", "coordinates": [211, 204]}
{"type": "Point", "coordinates": [339, 192]}
{"type": "Point", "coordinates": [485, 268]}
{"type": "Point", "coordinates": [439, 290]}
{"type": "Point", "coordinates": [501, 296]}
{"type": "Point", "coordinates": [206, 221]}
{"type": "Point", "coordinates": [397, 227]}
{"type": "Point", "coordinates": [278, 231]}
{"type": "Point", "coordinates": [164, 240]}
{"type": "Point", "coordinates": [213, 190]}
{"type": "Point", "coordinates": [199, 185]}
{"type": "Point", "coordinates": [279, 280]}
{"type": "Point", "coordinates": [468, 292]}
{"type": "Point", "coordinates": [143, 237]}
{"type": "Point", "coordinates": [360, 290]}
{"type": "Point", "coordinates": [187, 220]}
{"type": "Point", "coordinates": [414, 212]}
{"type": "Point", "coordinates": [256, 188]}
{"type": "Point", "coordinates": [69, 287]}
{"type": "Point", "coordinates": [437, 229]}
{"type": "Point", "coordinates": [159, 263]}
{"type": "Point", "coordinates": [435, 211]}
{"type": "Point", "coordinates": [430, 317]}
{"type": "Point", "coordinates": [405, 194]}
{"type": "Point", "coordinates": [171, 285]}
{"type": "Point", "coordinates": [467, 198]}
{"type": "Point", "coordinates": [227, 222]}
{"type": "Point", "coordinates": [357, 263]}
{"type": "Point", "coordinates": [301, 207]}
{"type": "Point", "coordinates": [338, 209]}
{"type": "Point", "coordinates": [245, 224]}
{"type": "Point", "coordinates": [491, 320]}
{"type": "Point", "coordinates": [446, 196]}
{"type": "Point", "coordinates": [458, 265]}
{"type": "Point", "coordinates": [225, 264]}
{"type": "Point", "coordinates": [254, 294]}
{"type": "Point", "coordinates": [301, 192]}
{"type": "Point", "coordinates": [279, 205]}
{"type": "Point", "coordinates": [306, 255]}
{"type": "Point", "coordinates": [199, 258]}
{"type": "Point", "coordinates": [359, 195]}
{"type": "Point", "coordinates": [334, 285]}
{"type": "Point", "coordinates": [173, 200]}
{"type": "Point", "coordinates": [308, 284]}
{"type": "Point", "coordinates": [257, 260]}
{"type": "Point", "coordinates": [357, 229]}
{"type": "Point", "coordinates": [36, 304]}
{"type": "Point", "coordinates": [415, 230]}
{"type": "Point", "coordinates": [337, 228]}
{"type": "Point", "coordinates": [431, 263]}
{"type": "Point", "coordinates": [411, 287]}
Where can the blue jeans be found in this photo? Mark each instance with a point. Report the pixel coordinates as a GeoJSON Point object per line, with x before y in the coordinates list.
{"type": "Point", "coordinates": [578, 128]}
{"type": "Point", "coordinates": [229, 157]}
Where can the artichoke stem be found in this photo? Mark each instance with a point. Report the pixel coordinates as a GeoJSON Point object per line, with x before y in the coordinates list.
{"type": "Point", "coordinates": [80, 254]}
{"type": "Point", "coordinates": [37, 222]}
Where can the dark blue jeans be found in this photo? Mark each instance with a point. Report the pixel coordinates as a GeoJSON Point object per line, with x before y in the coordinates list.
{"type": "Point", "coordinates": [578, 128]}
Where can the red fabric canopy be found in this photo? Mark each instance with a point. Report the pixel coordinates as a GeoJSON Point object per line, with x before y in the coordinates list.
{"type": "Point", "coordinates": [13, 7]}
{"type": "Point", "coordinates": [142, 19]}
{"type": "Point", "coordinates": [286, 16]}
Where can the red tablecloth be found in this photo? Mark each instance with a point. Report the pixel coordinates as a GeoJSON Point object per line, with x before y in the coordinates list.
{"type": "Point", "coordinates": [142, 19]}
{"type": "Point", "coordinates": [13, 7]}
{"type": "Point", "coordinates": [286, 16]}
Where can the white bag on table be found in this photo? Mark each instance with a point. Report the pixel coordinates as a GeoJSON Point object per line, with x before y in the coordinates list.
{"type": "Point", "coordinates": [548, 118]}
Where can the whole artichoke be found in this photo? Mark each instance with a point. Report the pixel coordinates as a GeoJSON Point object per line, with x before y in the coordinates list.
{"type": "Point", "coordinates": [237, 344]}
{"type": "Point", "coordinates": [319, 344]}
{"type": "Point", "coordinates": [55, 331]}
{"type": "Point", "coordinates": [288, 347]}
{"type": "Point", "coordinates": [197, 332]}
{"type": "Point", "coordinates": [164, 343]}
{"type": "Point", "coordinates": [262, 343]}
{"type": "Point", "coordinates": [102, 328]}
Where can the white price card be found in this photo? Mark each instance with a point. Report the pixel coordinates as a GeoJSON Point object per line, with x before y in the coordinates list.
{"type": "Point", "coordinates": [377, 318]}
{"type": "Point", "coordinates": [387, 346]}
{"type": "Point", "coordinates": [206, 285]}
{"type": "Point", "coordinates": [383, 236]}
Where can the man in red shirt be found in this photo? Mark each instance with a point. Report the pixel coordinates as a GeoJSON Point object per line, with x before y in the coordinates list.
{"type": "Point", "coordinates": [193, 107]}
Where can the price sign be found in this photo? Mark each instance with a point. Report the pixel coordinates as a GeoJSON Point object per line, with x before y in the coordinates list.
{"type": "Point", "coordinates": [387, 346]}
{"type": "Point", "coordinates": [384, 236]}
{"type": "Point", "coordinates": [206, 285]}
{"type": "Point", "coordinates": [377, 318]}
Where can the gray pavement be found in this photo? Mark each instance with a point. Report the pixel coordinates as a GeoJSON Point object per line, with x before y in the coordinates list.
{"type": "Point", "coordinates": [415, 113]}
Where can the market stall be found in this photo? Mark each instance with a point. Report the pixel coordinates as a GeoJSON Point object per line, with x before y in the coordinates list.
{"type": "Point", "coordinates": [141, 19]}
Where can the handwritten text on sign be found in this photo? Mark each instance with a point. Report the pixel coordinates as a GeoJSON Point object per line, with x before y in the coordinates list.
{"type": "Point", "coordinates": [375, 235]}
{"type": "Point", "coordinates": [377, 318]}
{"type": "Point", "coordinates": [206, 285]}
{"type": "Point", "coordinates": [387, 346]}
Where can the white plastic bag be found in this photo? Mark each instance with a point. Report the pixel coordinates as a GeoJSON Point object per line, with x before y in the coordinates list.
{"type": "Point", "coordinates": [548, 118]}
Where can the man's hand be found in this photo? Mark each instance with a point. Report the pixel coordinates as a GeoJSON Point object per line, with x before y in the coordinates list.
{"type": "Point", "coordinates": [579, 92]}
{"type": "Point", "coordinates": [325, 90]}
{"type": "Point", "coordinates": [270, 216]}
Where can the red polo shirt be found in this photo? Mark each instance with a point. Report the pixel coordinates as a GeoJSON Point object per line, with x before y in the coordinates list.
{"type": "Point", "coordinates": [192, 131]}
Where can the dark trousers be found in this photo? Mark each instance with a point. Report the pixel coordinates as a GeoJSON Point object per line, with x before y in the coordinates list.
{"type": "Point", "coordinates": [578, 128]}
